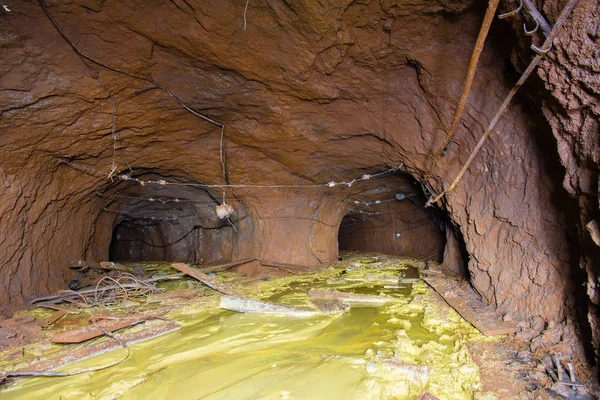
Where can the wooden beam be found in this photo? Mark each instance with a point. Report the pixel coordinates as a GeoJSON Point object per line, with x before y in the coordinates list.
{"type": "Point", "coordinates": [207, 280]}
{"type": "Point", "coordinates": [470, 307]}
{"type": "Point", "coordinates": [346, 297]}
{"type": "Point", "coordinates": [244, 305]}
{"type": "Point", "coordinates": [223, 267]}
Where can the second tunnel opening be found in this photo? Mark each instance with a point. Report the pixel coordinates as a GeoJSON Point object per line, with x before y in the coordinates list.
{"type": "Point", "coordinates": [168, 223]}
{"type": "Point", "coordinates": [391, 218]}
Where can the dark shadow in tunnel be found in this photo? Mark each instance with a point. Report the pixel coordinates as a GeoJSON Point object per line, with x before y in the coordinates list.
{"type": "Point", "coordinates": [390, 218]}
{"type": "Point", "coordinates": [150, 240]}
{"type": "Point", "coordinates": [167, 223]}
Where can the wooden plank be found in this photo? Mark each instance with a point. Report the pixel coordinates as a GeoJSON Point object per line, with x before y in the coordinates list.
{"type": "Point", "coordinates": [55, 317]}
{"type": "Point", "coordinates": [286, 266]}
{"type": "Point", "coordinates": [95, 330]}
{"type": "Point", "coordinates": [207, 280]}
{"type": "Point", "coordinates": [346, 297]}
{"type": "Point", "coordinates": [109, 323]}
{"type": "Point", "coordinates": [244, 305]}
{"type": "Point", "coordinates": [71, 354]}
{"type": "Point", "coordinates": [222, 267]}
{"type": "Point", "coordinates": [470, 307]}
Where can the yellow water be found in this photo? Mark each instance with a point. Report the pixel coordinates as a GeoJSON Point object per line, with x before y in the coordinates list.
{"type": "Point", "coordinates": [226, 355]}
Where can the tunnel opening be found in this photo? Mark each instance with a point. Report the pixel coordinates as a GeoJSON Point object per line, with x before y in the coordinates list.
{"type": "Point", "coordinates": [150, 239]}
{"type": "Point", "coordinates": [391, 218]}
{"type": "Point", "coordinates": [173, 223]}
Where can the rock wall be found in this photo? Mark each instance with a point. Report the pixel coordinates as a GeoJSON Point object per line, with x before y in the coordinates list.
{"type": "Point", "coordinates": [565, 96]}
{"type": "Point", "coordinates": [309, 93]}
{"type": "Point", "coordinates": [571, 76]}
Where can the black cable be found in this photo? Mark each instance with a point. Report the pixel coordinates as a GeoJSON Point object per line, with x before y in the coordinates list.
{"type": "Point", "coordinates": [196, 227]}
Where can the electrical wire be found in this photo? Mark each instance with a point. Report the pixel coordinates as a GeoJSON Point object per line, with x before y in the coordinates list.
{"type": "Point", "coordinates": [195, 228]}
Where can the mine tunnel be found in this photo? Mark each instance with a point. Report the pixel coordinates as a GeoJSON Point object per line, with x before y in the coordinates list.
{"type": "Point", "coordinates": [393, 219]}
{"type": "Point", "coordinates": [171, 223]}
{"type": "Point", "coordinates": [299, 199]}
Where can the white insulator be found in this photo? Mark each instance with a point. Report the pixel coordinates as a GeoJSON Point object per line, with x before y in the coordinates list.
{"type": "Point", "coordinates": [224, 210]}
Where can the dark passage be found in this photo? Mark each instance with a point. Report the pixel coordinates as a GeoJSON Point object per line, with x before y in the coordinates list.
{"type": "Point", "coordinates": [392, 219]}
{"type": "Point", "coordinates": [169, 224]}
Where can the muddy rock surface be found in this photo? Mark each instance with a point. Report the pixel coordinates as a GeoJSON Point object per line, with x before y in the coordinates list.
{"type": "Point", "coordinates": [95, 93]}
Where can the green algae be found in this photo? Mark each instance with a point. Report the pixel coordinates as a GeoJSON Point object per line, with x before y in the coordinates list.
{"type": "Point", "coordinates": [394, 351]}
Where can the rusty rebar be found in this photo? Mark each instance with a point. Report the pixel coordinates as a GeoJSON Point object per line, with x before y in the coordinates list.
{"type": "Point", "coordinates": [532, 65]}
{"type": "Point", "coordinates": [483, 32]}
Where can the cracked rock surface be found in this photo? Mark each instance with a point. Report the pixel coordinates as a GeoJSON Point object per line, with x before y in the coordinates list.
{"type": "Point", "coordinates": [309, 93]}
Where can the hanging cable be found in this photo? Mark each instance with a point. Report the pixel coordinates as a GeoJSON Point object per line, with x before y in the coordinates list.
{"type": "Point", "coordinates": [163, 182]}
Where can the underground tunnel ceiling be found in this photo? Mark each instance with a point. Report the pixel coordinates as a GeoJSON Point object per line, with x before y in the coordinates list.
{"type": "Point", "coordinates": [100, 97]}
